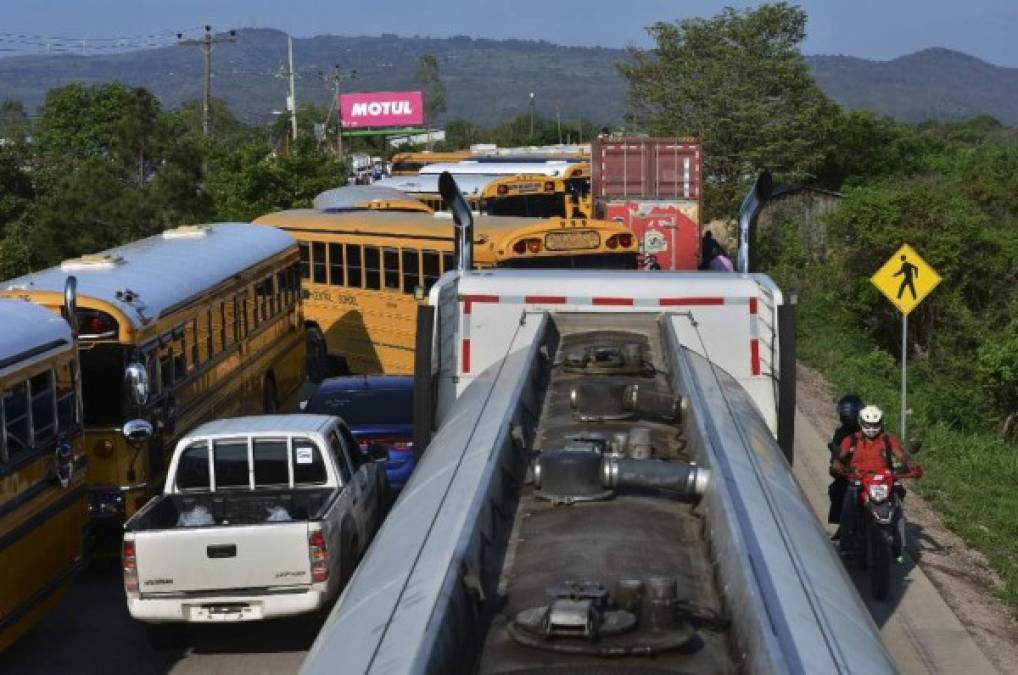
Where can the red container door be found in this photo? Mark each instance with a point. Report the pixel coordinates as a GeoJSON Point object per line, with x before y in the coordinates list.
{"type": "Point", "coordinates": [667, 230]}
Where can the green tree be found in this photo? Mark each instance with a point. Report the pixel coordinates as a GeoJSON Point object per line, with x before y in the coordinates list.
{"type": "Point", "coordinates": [460, 134]}
{"type": "Point", "coordinates": [738, 81]}
{"type": "Point", "coordinates": [13, 120]}
{"type": "Point", "coordinates": [430, 79]}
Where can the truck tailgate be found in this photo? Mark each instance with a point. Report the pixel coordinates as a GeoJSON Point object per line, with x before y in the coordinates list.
{"type": "Point", "coordinates": [223, 558]}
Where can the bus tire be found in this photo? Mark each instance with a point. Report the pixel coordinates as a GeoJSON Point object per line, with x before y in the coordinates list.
{"type": "Point", "coordinates": [317, 354]}
{"type": "Point", "coordinates": [270, 395]}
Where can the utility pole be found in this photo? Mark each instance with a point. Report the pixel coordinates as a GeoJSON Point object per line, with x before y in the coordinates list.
{"type": "Point", "coordinates": [531, 116]}
{"type": "Point", "coordinates": [335, 80]}
{"type": "Point", "coordinates": [293, 90]}
{"type": "Point", "coordinates": [558, 121]}
{"type": "Point", "coordinates": [206, 43]}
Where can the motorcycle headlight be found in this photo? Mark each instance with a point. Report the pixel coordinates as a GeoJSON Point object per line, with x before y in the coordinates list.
{"type": "Point", "coordinates": [878, 492]}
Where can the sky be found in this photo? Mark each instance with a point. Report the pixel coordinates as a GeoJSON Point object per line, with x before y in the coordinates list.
{"type": "Point", "coordinates": [873, 29]}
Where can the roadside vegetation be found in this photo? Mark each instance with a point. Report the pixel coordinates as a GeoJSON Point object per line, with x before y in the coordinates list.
{"type": "Point", "coordinates": [739, 81]}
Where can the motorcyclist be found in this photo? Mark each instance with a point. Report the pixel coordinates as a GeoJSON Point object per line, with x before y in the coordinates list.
{"type": "Point", "coordinates": [848, 412]}
{"type": "Point", "coordinates": [866, 451]}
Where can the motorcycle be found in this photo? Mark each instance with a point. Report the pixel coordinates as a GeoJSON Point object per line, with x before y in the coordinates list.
{"type": "Point", "coordinates": [878, 535]}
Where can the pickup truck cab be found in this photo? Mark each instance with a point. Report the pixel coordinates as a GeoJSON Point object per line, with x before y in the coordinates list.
{"type": "Point", "coordinates": [260, 517]}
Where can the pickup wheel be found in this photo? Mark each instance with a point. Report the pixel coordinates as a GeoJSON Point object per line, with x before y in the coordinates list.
{"type": "Point", "coordinates": [165, 636]}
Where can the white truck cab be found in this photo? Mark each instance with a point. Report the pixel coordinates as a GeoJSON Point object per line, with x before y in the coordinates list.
{"type": "Point", "coordinates": [260, 517]}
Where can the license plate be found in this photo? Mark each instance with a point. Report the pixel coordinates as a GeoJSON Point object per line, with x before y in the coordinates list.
{"type": "Point", "coordinates": [225, 613]}
{"type": "Point", "coordinates": [572, 240]}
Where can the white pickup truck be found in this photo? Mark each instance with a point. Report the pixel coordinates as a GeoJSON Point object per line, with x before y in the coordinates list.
{"type": "Point", "coordinates": [261, 517]}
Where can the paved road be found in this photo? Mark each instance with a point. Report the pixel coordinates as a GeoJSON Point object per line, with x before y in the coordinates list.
{"type": "Point", "coordinates": [91, 633]}
{"type": "Point", "coordinates": [920, 630]}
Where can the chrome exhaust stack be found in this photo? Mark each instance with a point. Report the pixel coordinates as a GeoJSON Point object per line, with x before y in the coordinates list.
{"type": "Point", "coordinates": [463, 246]}
{"type": "Point", "coordinates": [748, 212]}
{"type": "Point", "coordinates": [71, 303]}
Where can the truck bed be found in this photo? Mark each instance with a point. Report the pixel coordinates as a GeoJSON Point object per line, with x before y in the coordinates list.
{"type": "Point", "coordinates": [241, 507]}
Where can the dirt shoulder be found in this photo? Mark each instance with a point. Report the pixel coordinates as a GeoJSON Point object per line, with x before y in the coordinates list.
{"type": "Point", "coordinates": [961, 575]}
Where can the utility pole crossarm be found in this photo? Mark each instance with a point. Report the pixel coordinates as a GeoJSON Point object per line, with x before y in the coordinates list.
{"type": "Point", "coordinates": [206, 43]}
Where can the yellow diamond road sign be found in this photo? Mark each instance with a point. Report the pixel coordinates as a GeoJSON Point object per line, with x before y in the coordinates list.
{"type": "Point", "coordinates": [905, 279]}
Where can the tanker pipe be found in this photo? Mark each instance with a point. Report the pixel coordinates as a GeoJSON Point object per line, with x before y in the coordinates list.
{"type": "Point", "coordinates": [687, 480]}
{"type": "Point", "coordinates": [463, 241]}
{"type": "Point", "coordinates": [751, 206]}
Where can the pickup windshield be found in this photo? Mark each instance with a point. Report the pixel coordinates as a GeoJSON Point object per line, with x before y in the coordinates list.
{"type": "Point", "coordinates": [249, 463]}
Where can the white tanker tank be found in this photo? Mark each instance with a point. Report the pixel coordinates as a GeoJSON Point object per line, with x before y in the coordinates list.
{"type": "Point", "coordinates": [604, 491]}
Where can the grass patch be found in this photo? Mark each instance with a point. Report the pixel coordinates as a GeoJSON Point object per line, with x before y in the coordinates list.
{"type": "Point", "coordinates": [971, 479]}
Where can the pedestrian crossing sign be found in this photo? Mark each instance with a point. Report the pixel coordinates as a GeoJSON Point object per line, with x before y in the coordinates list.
{"type": "Point", "coordinates": [906, 279]}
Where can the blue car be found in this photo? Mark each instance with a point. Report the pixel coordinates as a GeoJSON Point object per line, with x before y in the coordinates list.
{"type": "Point", "coordinates": [378, 409]}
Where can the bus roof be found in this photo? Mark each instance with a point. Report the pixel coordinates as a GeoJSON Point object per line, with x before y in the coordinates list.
{"type": "Point", "coordinates": [29, 331]}
{"type": "Point", "coordinates": [161, 271]}
{"type": "Point", "coordinates": [423, 225]}
{"type": "Point", "coordinates": [549, 168]}
{"type": "Point", "coordinates": [350, 197]}
{"type": "Point", "coordinates": [469, 184]}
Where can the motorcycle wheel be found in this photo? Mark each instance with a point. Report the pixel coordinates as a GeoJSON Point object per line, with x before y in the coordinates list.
{"type": "Point", "coordinates": [880, 563]}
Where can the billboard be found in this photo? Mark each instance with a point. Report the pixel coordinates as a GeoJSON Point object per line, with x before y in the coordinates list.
{"type": "Point", "coordinates": [366, 110]}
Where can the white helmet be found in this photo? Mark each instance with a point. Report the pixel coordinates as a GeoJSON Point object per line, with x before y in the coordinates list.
{"type": "Point", "coordinates": [871, 421]}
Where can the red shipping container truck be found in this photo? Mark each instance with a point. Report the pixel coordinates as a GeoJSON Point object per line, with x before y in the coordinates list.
{"type": "Point", "coordinates": [653, 186]}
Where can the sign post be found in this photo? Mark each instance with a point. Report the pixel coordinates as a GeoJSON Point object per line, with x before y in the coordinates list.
{"type": "Point", "coordinates": [905, 279]}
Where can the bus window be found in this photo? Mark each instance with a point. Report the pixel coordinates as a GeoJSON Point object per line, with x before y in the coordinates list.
{"type": "Point", "coordinates": [390, 257]}
{"type": "Point", "coordinates": [16, 415]}
{"type": "Point", "coordinates": [411, 270]}
{"type": "Point", "coordinates": [204, 339]}
{"type": "Point", "coordinates": [448, 262]}
{"type": "Point", "coordinates": [240, 310]}
{"type": "Point", "coordinates": [371, 268]}
{"type": "Point", "coordinates": [431, 269]}
{"type": "Point", "coordinates": [150, 357]}
{"type": "Point", "coordinates": [165, 355]}
{"type": "Point", "coordinates": [43, 419]}
{"type": "Point", "coordinates": [264, 297]}
{"type": "Point", "coordinates": [305, 261]}
{"type": "Point", "coordinates": [318, 262]}
{"type": "Point", "coordinates": [191, 343]}
{"type": "Point", "coordinates": [217, 328]}
{"type": "Point", "coordinates": [336, 264]}
{"type": "Point", "coordinates": [354, 277]}
{"type": "Point", "coordinates": [65, 396]}
{"type": "Point", "coordinates": [229, 323]}
{"type": "Point", "coordinates": [179, 360]}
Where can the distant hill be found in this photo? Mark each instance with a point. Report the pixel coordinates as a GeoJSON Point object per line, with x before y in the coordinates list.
{"type": "Point", "coordinates": [489, 80]}
{"type": "Point", "coordinates": [932, 84]}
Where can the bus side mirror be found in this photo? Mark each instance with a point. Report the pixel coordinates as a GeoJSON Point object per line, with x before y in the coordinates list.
{"type": "Point", "coordinates": [137, 431]}
{"type": "Point", "coordinates": [136, 379]}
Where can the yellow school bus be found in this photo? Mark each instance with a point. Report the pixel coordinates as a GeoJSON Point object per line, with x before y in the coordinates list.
{"type": "Point", "coordinates": [364, 272]}
{"type": "Point", "coordinates": [539, 196]}
{"type": "Point", "coordinates": [410, 163]}
{"type": "Point", "coordinates": [199, 322]}
{"type": "Point", "coordinates": [43, 507]}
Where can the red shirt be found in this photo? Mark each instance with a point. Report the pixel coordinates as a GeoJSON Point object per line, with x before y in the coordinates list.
{"type": "Point", "coordinates": [869, 452]}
